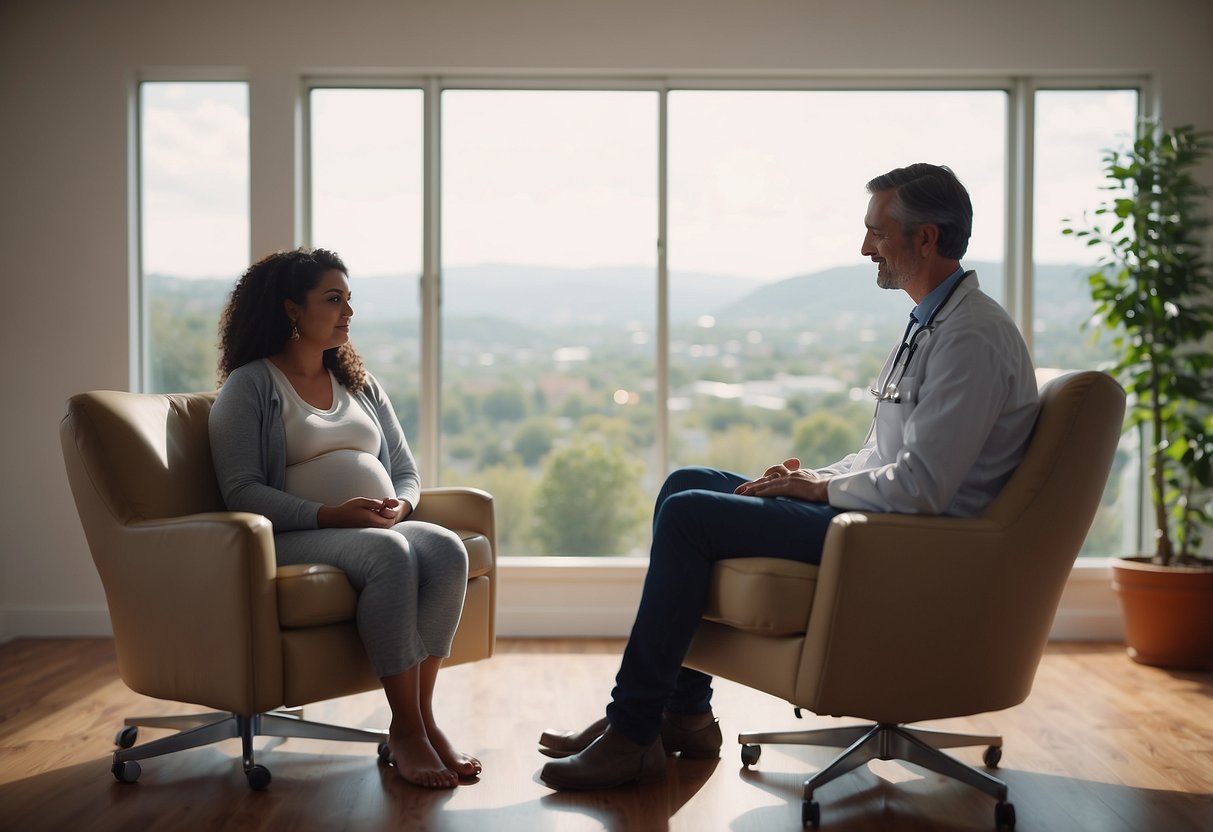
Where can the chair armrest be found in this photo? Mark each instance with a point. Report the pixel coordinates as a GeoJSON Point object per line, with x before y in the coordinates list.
{"type": "Point", "coordinates": [467, 509]}
{"type": "Point", "coordinates": [194, 608]}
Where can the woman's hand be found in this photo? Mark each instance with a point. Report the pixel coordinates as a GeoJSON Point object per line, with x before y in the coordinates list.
{"type": "Point", "coordinates": [395, 508]}
{"type": "Point", "coordinates": [364, 513]}
{"type": "Point", "coordinates": [788, 479]}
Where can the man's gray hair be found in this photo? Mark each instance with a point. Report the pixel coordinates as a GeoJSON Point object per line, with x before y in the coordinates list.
{"type": "Point", "coordinates": [930, 195]}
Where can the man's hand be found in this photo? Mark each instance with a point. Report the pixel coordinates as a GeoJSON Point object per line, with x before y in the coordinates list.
{"type": "Point", "coordinates": [788, 479]}
{"type": "Point", "coordinates": [363, 513]}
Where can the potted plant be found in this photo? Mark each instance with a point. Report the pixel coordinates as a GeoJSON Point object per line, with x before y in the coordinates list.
{"type": "Point", "coordinates": [1153, 292]}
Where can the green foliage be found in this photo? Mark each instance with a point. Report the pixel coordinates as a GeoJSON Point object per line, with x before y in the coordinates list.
{"type": "Point", "coordinates": [182, 347]}
{"type": "Point", "coordinates": [506, 404]}
{"type": "Point", "coordinates": [823, 437]}
{"type": "Point", "coordinates": [721, 414]}
{"type": "Point", "coordinates": [1154, 293]}
{"type": "Point", "coordinates": [513, 490]}
{"type": "Point", "coordinates": [746, 449]}
{"type": "Point", "coordinates": [589, 501]}
{"type": "Point", "coordinates": [534, 439]}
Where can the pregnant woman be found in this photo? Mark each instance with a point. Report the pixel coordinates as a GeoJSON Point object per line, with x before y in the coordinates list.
{"type": "Point", "coordinates": [302, 434]}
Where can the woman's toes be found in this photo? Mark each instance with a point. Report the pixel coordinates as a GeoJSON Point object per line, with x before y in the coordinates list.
{"type": "Point", "coordinates": [430, 778]}
{"type": "Point", "coordinates": [419, 764]}
{"type": "Point", "coordinates": [464, 765]}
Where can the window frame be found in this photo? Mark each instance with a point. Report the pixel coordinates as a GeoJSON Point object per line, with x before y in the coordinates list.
{"type": "Point", "coordinates": [277, 190]}
{"type": "Point", "coordinates": [1018, 289]}
{"type": "Point", "coordinates": [138, 366]}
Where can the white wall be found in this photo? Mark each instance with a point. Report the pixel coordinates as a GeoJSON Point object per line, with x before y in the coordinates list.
{"type": "Point", "coordinates": [67, 71]}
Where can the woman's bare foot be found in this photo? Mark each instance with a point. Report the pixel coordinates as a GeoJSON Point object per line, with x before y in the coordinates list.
{"type": "Point", "coordinates": [462, 764]}
{"type": "Point", "coordinates": [419, 763]}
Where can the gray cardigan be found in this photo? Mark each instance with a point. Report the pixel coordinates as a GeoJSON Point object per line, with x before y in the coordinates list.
{"type": "Point", "coordinates": [248, 444]}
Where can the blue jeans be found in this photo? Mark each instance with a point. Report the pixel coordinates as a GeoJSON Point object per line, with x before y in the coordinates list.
{"type": "Point", "coordinates": [697, 521]}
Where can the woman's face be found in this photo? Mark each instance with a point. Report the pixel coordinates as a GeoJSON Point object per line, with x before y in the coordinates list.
{"type": "Point", "coordinates": [324, 318]}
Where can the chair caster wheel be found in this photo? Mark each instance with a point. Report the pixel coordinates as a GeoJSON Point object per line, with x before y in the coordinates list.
{"type": "Point", "coordinates": [126, 772]}
{"type": "Point", "coordinates": [991, 756]}
{"type": "Point", "coordinates": [126, 737]}
{"type": "Point", "coordinates": [750, 754]}
{"type": "Point", "coordinates": [258, 777]}
{"type": "Point", "coordinates": [1004, 816]}
{"type": "Point", "coordinates": [810, 814]}
{"type": "Point", "coordinates": [385, 754]}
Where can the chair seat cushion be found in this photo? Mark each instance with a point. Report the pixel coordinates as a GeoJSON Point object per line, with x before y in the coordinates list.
{"type": "Point", "coordinates": [766, 596]}
{"type": "Point", "coordinates": [315, 594]}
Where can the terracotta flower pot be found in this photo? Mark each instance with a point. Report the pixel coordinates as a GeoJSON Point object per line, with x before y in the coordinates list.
{"type": "Point", "coordinates": [1168, 613]}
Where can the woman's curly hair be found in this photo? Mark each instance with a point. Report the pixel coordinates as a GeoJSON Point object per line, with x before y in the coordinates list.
{"type": "Point", "coordinates": [254, 323]}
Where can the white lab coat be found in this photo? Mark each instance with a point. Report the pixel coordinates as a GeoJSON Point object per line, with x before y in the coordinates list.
{"type": "Point", "coordinates": [968, 402]}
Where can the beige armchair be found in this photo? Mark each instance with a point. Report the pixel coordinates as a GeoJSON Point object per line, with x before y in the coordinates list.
{"type": "Point", "coordinates": [913, 618]}
{"type": "Point", "coordinates": [200, 611]}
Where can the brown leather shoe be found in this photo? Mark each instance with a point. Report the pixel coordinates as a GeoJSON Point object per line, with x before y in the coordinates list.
{"type": "Point", "coordinates": [609, 761]}
{"type": "Point", "coordinates": [693, 743]}
{"type": "Point", "coordinates": [701, 744]}
{"type": "Point", "coordinates": [566, 743]}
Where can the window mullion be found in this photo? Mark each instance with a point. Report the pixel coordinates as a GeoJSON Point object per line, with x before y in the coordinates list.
{"type": "Point", "coordinates": [430, 287]}
{"type": "Point", "coordinates": [1017, 281]}
{"type": "Point", "coordinates": [663, 287]}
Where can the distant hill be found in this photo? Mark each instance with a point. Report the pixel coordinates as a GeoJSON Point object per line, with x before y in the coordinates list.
{"type": "Point", "coordinates": [817, 299]}
{"type": "Point", "coordinates": [526, 296]}
{"type": "Point", "coordinates": [588, 296]}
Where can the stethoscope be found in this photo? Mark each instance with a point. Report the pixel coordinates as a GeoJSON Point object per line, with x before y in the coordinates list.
{"type": "Point", "coordinates": [886, 391]}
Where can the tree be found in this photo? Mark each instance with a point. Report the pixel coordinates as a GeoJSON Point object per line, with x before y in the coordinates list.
{"type": "Point", "coordinates": [513, 490]}
{"type": "Point", "coordinates": [534, 439]}
{"type": "Point", "coordinates": [589, 501]}
{"type": "Point", "coordinates": [181, 348]}
{"type": "Point", "coordinates": [1153, 292]}
{"type": "Point", "coordinates": [746, 450]}
{"type": "Point", "coordinates": [505, 404]}
{"type": "Point", "coordinates": [823, 437]}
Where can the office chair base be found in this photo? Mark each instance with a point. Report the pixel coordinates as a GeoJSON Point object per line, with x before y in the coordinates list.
{"type": "Point", "coordinates": [887, 741]}
{"type": "Point", "coordinates": [197, 730]}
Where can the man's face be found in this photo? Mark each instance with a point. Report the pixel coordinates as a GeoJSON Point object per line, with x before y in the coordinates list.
{"type": "Point", "coordinates": [896, 258]}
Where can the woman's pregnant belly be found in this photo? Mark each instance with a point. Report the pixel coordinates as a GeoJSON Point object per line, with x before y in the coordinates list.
{"type": "Point", "coordinates": [338, 476]}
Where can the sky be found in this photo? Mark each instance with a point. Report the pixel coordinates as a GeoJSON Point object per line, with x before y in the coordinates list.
{"type": "Point", "coordinates": [762, 184]}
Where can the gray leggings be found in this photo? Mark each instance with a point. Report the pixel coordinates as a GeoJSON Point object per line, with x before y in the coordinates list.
{"type": "Point", "coordinates": [410, 581]}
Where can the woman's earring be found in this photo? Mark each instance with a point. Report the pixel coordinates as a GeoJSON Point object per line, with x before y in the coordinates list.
{"type": "Point", "coordinates": [294, 331]}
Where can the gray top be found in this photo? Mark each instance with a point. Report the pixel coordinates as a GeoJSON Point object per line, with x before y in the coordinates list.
{"type": "Point", "coordinates": [248, 444]}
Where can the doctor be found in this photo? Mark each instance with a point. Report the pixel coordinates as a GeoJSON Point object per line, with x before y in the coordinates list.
{"type": "Point", "coordinates": [955, 404]}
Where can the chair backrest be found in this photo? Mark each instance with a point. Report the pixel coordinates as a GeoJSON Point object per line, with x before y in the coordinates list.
{"type": "Point", "coordinates": [189, 586]}
{"type": "Point", "coordinates": [1063, 473]}
{"type": "Point", "coordinates": [920, 618]}
{"type": "Point", "coordinates": [141, 455]}
{"type": "Point", "coordinates": [1045, 512]}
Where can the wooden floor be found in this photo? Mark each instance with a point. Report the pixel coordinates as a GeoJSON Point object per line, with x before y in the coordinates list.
{"type": "Point", "coordinates": [1102, 744]}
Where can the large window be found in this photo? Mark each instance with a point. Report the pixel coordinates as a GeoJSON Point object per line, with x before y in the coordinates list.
{"type": "Point", "coordinates": [194, 224]}
{"type": "Point", "coordinates": [549, 313]}
{"type": "Point", "coordinates": [1073, 128]}
{"type": "Point", "coordinates": [625, 280]}
{"type": "Point", "coordinates": [366, 203]}
{"type": "Point", "coordinates": [777, 326]}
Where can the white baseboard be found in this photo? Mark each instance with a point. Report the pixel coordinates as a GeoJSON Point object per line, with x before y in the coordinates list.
{"type": "Point", "coordinates": [1089, 609]}
{"type": "Point", "coordinates": [597, 598]}
{"type": "Point", "coordinates": [568, 597]}
{"type": "Point", "coordinates": [594, 598]}
{"type": "Point", "coordinates": [1087, 625]}
{"type": "Point", "coordinates": [54, 622]}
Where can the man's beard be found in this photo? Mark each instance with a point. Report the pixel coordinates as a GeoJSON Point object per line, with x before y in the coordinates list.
{"type": "Point", "coordinates": [890, 279]}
